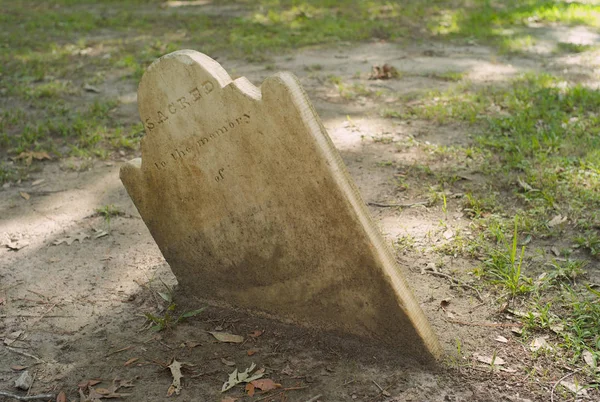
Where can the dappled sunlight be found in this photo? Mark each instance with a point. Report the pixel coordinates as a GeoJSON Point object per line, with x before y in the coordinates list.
{"type": "Point", "coordinates": [88, 280]}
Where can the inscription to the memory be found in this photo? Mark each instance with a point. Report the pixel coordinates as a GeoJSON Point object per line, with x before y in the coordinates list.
{"type": "Point", "coordinates": [200, 140]}
{"type": "Point", "coordinates": [179, 104]}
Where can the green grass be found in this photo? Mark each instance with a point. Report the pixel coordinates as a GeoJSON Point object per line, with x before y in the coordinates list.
{"type": "Point", "coordinates": [69, 44]}
{"type": "Point", "coordinates": [541, 139]}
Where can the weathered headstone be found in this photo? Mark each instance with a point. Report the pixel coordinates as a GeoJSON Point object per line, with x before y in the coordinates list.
{"type": "Point", "coordinates": [251, 205]}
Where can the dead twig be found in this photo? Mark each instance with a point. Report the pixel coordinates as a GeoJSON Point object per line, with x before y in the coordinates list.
{"type": "Point", "coordinates": [412, 204]}
{"type": "Point", "coordinates": [382, 391]}
{"type": "Point", "coordinates": [31, 385]}
{"type": "Point", "coordinates": [27, 398]}
{"type": "Point", "coordinates": [119, 351]}
{"type": "Point", "coordinates": [314, 398]}
{"type": "Point", "coordinates": [42, 316]}
{"type": "Point", "coordinates": [24, 354]}
{"type": "Point", "coordinates": [486, 324]}
{"type": "Point", "coordinates": [456, 282]}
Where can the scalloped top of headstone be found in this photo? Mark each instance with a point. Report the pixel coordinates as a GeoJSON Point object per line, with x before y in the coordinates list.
{"type": "Point", "coordinates": [251, 205]}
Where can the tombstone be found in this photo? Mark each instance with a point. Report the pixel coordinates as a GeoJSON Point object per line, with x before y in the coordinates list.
{"type": "Point", "coordinates": [252, 207]}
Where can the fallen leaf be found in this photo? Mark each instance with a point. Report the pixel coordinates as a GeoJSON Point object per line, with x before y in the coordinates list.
{"type": "Point", "coordinates": [12, 337]}
{"type": "Point", "coordinates": [557, 220]}
{"type": "Point", "coordinates": [227, 362]}
{"type": "Point", "coordinates": [29, 156]}
{"type": "Point", "coordinates": [70, 239]}
{"type": "Point", "coordinates": [497, 361]}
{"type": "Point", "coordinates": [88, 383]}
{"type": "Point", "coordinates": [265, 384]}
{"type": "Point", "coordinates": [18, 368]}
{"type": "Point", "coordinates": [100, 234]}
{"type": "Point", "coordinates": [256, 334]}
{"type": "Point", "coordinates": [25, 195]}
{"type": "Point", "coordinates": [236, 378]}
{"type": "Point", "coordinates": [523, 184]}
{"type": "Point", "coordinates": [574, 388]}
{"type": "Point", "coordinates": [131, 361]}
{"type": "Point", "coordinates": [502, 339]}
{"type": "Point", "coordinates": [539, 343]}
{"type": "Point", "coordinates": [251, 352]}
{"type": "Point", "coordinates": [384, 72]}
{"type": "Point", "coordinates": [90, 88]}
{"type": "Point", "coordinates": [508, 370]}
{"type": "Point", "coordinates": [227, 337]}
{"type": "Point", "coordinates": [16, 246]}
{"type": "Point", "coordinates": [250, 389]}
{"type": "Point", "coordinates": [61, 397]}
{"type": "Point", "coordinates": [191, 344]}
{"type": "Point", "coordinates": [588, 358]}
{"type": "Point", "coordinates": [448, 234]}
{"type": "Point", "coordinates": [37, 182]}
{"type": "Point", "coordinates": [175, 387]}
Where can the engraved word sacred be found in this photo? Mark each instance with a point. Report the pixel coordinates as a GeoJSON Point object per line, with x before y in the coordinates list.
{"type": "Point", "coordinates": [180, 104]}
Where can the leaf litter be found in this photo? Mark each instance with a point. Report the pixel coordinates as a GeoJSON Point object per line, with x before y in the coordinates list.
{"type": "Point", "coordinates": [96, 394]}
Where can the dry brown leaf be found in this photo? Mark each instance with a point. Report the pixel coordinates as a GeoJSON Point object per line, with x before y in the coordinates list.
{"type": "Point", "coordinates": [227, 337]}
{"type": "Point", "coordinates": [251, 352]}
{"type": "Point", "coordinates": [191, 344]}
{"type": "Point", "coordinates": [18, 368]}
{"type": "Point", "coordinates": [384, 72]}
{"type": "Point", "coordinates": [131, 361]}
{"type": "Point", "coordinates": [88, 383]}
{"type": "Point", "coordinates": [250, 389]}
{"type": "Point", "coordinates": [25, 195]}
{"type": "Point", "coordinates": [61, 397]}
{"type": "Point", "coordinates": [28, 157]}
{"type": "Point", "coordinates": [265, 384]}
{"type": "Point", "coordinates": [256, 334]}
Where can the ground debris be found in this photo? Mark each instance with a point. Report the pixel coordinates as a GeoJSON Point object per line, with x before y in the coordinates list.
{"type": "Point", "coordinates": [384, 72]}
{"type": "Point", "coordinates": [27, 398]}
{"type": "Point", "coordinates": [70, 239]}
{"type": "Point", "coordinates": [175, 387]}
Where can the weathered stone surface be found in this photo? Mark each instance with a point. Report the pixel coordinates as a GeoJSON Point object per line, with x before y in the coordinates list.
{"type": "Point", "coordinates": [251, 205]}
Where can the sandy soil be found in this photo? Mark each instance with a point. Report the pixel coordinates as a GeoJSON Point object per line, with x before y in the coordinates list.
{"type": "Point", "coordinates": [76, 310]}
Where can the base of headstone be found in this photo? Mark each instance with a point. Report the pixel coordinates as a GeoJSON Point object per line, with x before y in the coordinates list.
{"type": "Point", "coordinates": [251, 205]}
